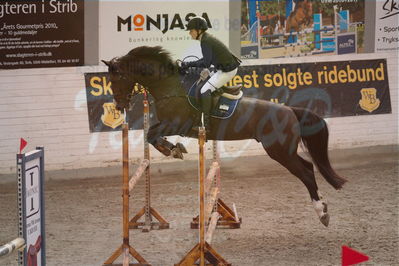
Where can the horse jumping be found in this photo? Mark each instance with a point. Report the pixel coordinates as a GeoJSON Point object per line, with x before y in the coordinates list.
{"type": "Point", "coordinates": [277, 127]}
{"type": "Point", "coordinates": [300, 18]}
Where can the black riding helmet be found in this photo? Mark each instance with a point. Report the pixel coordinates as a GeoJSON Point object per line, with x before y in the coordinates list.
{"type": "Point", "coordinates": [197, 23]}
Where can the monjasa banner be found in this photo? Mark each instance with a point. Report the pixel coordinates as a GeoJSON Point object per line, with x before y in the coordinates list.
{"type": "Point", "coordinates": [41, 33]}
{"type": "Point", "coordinates": [125, 25]}
{"type": "Point", "coordinates": [331, 89]}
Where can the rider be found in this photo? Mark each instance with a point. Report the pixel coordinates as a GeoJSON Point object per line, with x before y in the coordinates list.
{"type": "Point", "coordinates": [214, 53]}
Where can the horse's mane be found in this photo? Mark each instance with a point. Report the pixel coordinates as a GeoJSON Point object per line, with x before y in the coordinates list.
{"type": "Point", "coordinates": [156, 53]}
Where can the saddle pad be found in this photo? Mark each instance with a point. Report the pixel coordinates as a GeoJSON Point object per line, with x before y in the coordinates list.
{"type": "Point", "coordinates": [224, 108]}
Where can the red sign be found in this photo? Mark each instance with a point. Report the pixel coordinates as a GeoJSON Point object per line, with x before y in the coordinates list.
{"type": "Point", "coordinates": [352, 257]}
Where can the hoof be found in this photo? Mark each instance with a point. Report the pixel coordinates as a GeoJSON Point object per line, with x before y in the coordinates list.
{"type": "Point", "coordinates": [181, 147]}
{"type": "Point", "coordinates": [325, 219]}
{"type": "Point", "coordinates": [176, 153]}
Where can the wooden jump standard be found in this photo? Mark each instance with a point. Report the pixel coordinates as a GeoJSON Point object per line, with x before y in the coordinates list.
{"type": "Point", "coordinates": [125, 248]}
{"type": "Point", "coordinates": [203, 250]}
{"type": "Point", "coordinates": [228, 217]}
{"type": "Point", "coordinates": [128, 185]}
{"type": "Point", "coordinates": [147, 211]}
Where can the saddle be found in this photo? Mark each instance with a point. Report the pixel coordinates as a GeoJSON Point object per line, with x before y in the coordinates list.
{"type": "Point", "coordinates": [233, 90]}
{"type": "Point", "coordinates": [224, 100]}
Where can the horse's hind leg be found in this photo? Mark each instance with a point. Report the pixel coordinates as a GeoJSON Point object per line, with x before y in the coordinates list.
{"type": "Point", "coordinates": [304, 171]}
{"type": "Point", "coordinates": [319, 205]}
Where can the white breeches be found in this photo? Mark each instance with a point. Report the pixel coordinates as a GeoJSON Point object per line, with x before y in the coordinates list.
{"type": "Point", "coordinates": [217, 80]}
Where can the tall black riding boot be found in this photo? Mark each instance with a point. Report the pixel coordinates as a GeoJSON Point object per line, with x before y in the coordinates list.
{"type": "Point", "coordinates": [206, 105]}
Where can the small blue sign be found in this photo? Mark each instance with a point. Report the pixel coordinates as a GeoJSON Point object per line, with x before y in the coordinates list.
{"type": "Point", "coordinates": [346, 43]}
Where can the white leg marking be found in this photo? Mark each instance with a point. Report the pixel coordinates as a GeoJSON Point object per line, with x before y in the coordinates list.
{"type": "Point", "coordinates": [319, 207]}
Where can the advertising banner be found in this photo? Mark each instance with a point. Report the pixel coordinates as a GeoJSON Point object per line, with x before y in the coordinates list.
{"type": "Point", "coordinates": [41, 33]}
{"type": "Point", "coordinates": [125, 25]}
{"type": "Point", "coordinates": [286, 28]}
{"type": "Point", "coordinates": [331, 89]}
{"type": "Point", "coordinates": [346, 43]}
{"type": "Point", "coordinates": [103, 115]}
{"type": "Point", "coordinates": [387, 26]}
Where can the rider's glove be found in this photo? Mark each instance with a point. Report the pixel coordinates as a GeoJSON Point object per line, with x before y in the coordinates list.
{"type": "Point", "coordinates": [184, 65]}
{"type": "Point", "coordinates": [205, 74]}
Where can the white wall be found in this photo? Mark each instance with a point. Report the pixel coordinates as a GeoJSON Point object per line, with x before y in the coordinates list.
{"type": "Point", "coordinates": [48, 108]}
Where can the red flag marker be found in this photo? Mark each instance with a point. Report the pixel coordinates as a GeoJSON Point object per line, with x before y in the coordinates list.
{"type": "Point", "coordinates": [22, 145]}
{"type": "Point", "coordinates": [351, 257]}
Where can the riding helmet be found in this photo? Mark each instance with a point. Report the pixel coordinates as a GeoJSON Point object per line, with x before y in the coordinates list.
{"type": "Point", "coordinates": [197, 23]}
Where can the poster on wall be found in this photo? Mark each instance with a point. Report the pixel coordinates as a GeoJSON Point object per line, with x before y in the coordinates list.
{"type": "Point", "coordinates": [103, 116]}
{"type": "Point", "coordinates": [41, 33]}
{"type": "Point", "coordinates": [387, 26]}
{"type": "Point", "coordinates": [126, 24]}
{"type": "Point", "coordinates": [287, 28]}
{"type": "Point", "coordinates": [331, 89]}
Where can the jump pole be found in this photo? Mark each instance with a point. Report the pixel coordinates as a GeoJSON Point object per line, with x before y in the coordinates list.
{"type": "Point", "coordinates": [203, 251]}
{"type": "Point", "coordinates": [125, 249]}
{"type": "Point", "coordinates": [8, 248]}
{"type": "Point", "coordinates": [147, 211]}
{"type": "Point", "coordinates": [228, 217]}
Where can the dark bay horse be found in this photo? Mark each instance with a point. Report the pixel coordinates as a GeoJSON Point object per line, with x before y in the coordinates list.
{"type": "Point", "coordinates": [277, 127]}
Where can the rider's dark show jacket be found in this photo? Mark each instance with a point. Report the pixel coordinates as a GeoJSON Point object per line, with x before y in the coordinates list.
{"type": "Point", "coordinates": [215, 53]}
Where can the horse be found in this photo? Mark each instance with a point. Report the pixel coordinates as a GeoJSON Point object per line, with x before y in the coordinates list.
{"type": "Point", "coordinates": [300, 17]}
{"type": "Point", "coordinates": [270, 24]}
{"type": "Point", "coordinates": [278, 128]}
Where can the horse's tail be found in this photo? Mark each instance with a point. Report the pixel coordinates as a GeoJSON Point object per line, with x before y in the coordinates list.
{"type": "Point", "coordinates": [314, 134]}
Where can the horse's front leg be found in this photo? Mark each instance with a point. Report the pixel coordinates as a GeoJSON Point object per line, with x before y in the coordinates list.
{"type": "Point", "coordinates": [155, 136]}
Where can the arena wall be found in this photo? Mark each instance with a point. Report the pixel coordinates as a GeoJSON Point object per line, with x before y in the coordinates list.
{"type": "Point", "coordinates": [47, 107]}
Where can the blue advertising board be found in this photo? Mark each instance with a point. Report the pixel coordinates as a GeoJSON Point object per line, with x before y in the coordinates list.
{"type": "Point", "coordinates": [346, 43]}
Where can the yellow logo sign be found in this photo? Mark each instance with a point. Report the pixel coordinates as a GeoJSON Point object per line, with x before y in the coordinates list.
{"type": "Point", "coordinates": [369, 101]}
{"type": "Point", "coordinates": [112, 117]}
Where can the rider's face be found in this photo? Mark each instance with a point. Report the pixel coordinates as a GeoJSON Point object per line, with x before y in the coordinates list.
{"type": "Point", "coordinates": [194, 34]}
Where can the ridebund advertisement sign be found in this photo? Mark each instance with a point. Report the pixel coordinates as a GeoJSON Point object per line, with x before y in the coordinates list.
{"type": "Point", "coordinates": [103, 115]}
{"type": "Point", "coordinates": [331, 89]}
{"type": "Point", "coordinates": [41, 33]}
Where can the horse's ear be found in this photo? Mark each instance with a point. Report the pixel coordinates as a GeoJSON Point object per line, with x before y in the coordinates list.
{"type": "Point", "coordinates": [108, 63]}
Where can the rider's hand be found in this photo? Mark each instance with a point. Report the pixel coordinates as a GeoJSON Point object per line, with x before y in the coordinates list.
{"type": "Point", "coordinates": [183, 65]}
{"type": "Point", "coordinates": [205, 74]}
